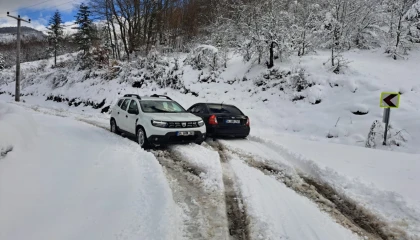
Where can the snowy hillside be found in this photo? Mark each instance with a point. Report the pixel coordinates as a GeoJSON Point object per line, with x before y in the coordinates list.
{"type": "Point", "coordinates": [300, 97]}
{"type": "Point", "coordinates": [8, 34]}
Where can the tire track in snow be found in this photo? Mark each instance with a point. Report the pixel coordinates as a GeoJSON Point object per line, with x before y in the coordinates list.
{"type": "Point", "coordinates": [202, 218]}
{"type": "Point", "coordinates": [235, 208]}
{"type": "Point", "coordinates": [346, 211]}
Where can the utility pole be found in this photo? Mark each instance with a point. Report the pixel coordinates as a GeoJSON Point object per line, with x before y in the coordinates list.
{"type": "Point", "coordinates": [17, 92]}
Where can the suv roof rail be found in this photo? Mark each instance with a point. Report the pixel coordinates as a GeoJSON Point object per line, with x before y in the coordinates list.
{"type": "Point", "coordinates": [133, 95]}
{"type": "Point", "coordinates": [157, 96]}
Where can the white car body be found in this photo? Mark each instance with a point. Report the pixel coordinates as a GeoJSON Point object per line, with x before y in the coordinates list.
{"type": "Point", "coordinates": [176, 122]}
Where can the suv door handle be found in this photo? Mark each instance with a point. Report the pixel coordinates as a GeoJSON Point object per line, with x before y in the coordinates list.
{"type": "Point", "coordinates": [118, 112]}
{"type": "Point", "coordinates": [126, 116]}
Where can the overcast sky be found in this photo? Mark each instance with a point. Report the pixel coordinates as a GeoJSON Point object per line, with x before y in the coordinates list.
{"type": "Point", "coordinates": [39, 11]}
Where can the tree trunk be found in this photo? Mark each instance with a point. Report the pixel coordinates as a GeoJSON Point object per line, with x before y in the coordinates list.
{"type": "Point", "coordinates": [398, 36]}
{"type": "Point", "coordinates": [109, 29]}
{"type": "Point", "coordinates": [55, 57]}
{"type": "Point", "coordinates": [114, 33]}
{"type": "Point", "coordinates": [271, 61]}
{"type": "Point", "coordinates": [122, 30]}
{"type": "Point", "coordinates": [303, 42]}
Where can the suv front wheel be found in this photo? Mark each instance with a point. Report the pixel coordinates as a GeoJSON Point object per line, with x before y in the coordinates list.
{"type": "Point", "coordinates": [141, 137]}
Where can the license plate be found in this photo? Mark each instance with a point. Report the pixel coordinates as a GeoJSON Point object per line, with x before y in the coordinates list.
{"type": "Point", "coordinates": [188, 133]}
{"type": "Point", "coordinates": [233, 121]}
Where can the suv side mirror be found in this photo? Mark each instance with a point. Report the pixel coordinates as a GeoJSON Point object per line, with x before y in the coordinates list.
{"type": "Point", "coordinates": [133, 111]}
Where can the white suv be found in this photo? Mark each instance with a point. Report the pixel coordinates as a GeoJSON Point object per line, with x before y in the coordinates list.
{"type": "Point", "coordinates": [156, 120]}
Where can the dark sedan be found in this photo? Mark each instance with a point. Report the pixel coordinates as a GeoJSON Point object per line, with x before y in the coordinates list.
{"type": "Point", "coordinates": [222, 120]}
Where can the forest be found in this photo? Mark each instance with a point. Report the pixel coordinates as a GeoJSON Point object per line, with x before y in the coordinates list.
{"type": "Point", "coordinates": [260, 30]}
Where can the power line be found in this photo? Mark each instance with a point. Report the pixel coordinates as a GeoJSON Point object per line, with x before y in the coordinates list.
{"type": "Point", "coordinates": [47, 8]}
{"type": "Point", "coordinates": [31, 6]}
{"type": "Point", "coordinates": [52, 7]}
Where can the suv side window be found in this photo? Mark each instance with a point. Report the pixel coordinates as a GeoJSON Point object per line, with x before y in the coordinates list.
{"type": "Point", "coordinates": [133, 106]}
{"type": "Point", "coordinates": [125, 104]}
{"type": "Point", "coordinates": [120, 102]}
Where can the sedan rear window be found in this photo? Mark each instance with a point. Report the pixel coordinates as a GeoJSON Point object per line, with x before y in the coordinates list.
{"type": "Point", "coordinates": [161, 107]}
{"type": "Point", "coordinates": [219, 108]}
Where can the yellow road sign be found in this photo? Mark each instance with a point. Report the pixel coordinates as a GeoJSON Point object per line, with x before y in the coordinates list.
{"type": "Point", "coordinates": [390, 100]}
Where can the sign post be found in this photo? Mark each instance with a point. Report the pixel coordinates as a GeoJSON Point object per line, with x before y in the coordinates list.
{"type": "Point", "coordinates": [388, 100]}
{"type": "Point", "coordinates": [387, 114]}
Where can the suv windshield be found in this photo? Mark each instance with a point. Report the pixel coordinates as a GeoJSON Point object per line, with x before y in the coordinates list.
{"type": "Point", "coordinates": [219, 108]}
{"type": "Point", "coordinates": [161, 107]}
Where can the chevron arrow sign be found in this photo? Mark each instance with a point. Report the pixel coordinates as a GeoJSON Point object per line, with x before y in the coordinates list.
{"type": "Point", "coordinates": [390, 100]}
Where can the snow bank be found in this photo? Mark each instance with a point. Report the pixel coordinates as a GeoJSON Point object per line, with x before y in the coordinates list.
{"type": "Point", "coordinates": [17, 129]}
{"type": "Point", "coordinates": [81, 182]}
{"type": "Point", "coordinates": [203, 160]}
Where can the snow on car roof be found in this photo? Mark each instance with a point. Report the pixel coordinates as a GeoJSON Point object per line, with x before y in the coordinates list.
{"type": "Point", "coordinates": [155, 99]}
{"type": "Point", "coordinates": [149, 99]}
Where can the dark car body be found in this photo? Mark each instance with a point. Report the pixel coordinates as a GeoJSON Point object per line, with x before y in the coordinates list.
{"type": "Point", "coordinates": [222, 120]}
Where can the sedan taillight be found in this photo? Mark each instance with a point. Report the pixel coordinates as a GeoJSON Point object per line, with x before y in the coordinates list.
{"type": "Point", "coordinates": [213, 120]}
{"type": "Point", "coordinates": [247, 121]}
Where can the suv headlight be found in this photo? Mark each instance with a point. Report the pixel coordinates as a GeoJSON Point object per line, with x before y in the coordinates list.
{"type": "Point", "coordinates": [160, 124]}
{"type": "Point", "coordinates": [200, 123]}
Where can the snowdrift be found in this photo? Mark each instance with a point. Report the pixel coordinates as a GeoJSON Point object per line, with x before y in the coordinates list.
{"type": "Point", "coordinates": [17, 129]}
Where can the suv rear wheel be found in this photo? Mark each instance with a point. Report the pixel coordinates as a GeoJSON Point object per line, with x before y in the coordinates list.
{"type": "Point", "coordinates": [141, 137]}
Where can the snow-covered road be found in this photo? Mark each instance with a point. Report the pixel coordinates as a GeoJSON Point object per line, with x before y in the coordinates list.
{"type": "Point", "coordinates": [76, 181]}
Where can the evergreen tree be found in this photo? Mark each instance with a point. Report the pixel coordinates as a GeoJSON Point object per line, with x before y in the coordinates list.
{"type": "Point", "coordinates": [86, 32]}
{"type": "Point", "coordinates": [55, 34]}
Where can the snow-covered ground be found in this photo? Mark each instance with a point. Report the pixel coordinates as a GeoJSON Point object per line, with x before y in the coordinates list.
{"type": "Point", "coordinates": [306, 137]}
{"type": "Point", "coordinates": [66, 179]}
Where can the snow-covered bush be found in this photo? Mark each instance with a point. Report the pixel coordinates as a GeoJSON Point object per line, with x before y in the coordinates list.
{"type": "Point", "coordinates": [42, 65]}
{"type": "Point", "coordinates": [359, 109]}
{"type": "Point", "coordinates": [209, 77]}
{"type": "Point", "coordinates": [113, 70]}
{"type": "Point", "coordinates": [2, 62]}
{"type": "Point", "coordinates": [291, 82]}
{"type": "Point", "coordinates": [376, 136]}
{"type": "Point", "coordinates": [59, 78]}
{"type": "Point", "coordinates": [86, 61]}
{"type": "Point", "coordinates": [100, 55]}
{"type": "Point", "coordinates": [298, 80]}
{"type": "Point", "coordinates": [204, 56]}
{"type": "Point", "coordinates": [413, 16]}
